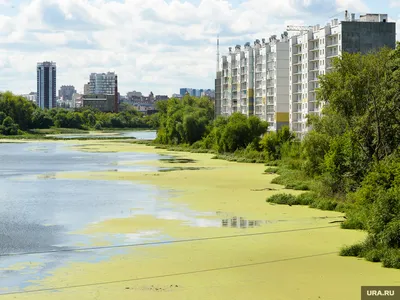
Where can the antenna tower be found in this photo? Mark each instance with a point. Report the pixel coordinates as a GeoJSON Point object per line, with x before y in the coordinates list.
{"type": "Point", "coordinates": [217, 53]}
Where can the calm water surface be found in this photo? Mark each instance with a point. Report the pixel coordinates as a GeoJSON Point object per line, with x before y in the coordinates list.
{"type": "Point", "coordinates": [41, 213]}
{"type": "Point", "coordinates": [140, 135]}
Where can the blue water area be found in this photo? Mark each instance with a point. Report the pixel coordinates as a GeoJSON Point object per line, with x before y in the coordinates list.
{"type": "Point", "coordinates": [41, 213]}
{"type": "Point", "coordinates": [140, 135]}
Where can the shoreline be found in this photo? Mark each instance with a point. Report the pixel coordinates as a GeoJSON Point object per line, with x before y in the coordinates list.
{"type": "Point", "coordinates": [285, 265]}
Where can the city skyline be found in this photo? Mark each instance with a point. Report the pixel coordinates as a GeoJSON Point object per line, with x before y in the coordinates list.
{"type": "Point", "coordinates": [182, 48]}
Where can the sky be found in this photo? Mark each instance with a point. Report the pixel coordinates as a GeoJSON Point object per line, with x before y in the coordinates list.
{"type": "Point", "coordinates": [152, 45]}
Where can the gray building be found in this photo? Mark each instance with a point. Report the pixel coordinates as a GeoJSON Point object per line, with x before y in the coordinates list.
{"type": "Point", "coordinates": [102, 102]}
{"type": "Point", "coordinates": [46, 84]}
{"type": "Point", "coordinates": [66, 92]}
{"type": "Point", "coordinates": [312, 52]}
{"type": "Point", "coordinates": [217, 102]}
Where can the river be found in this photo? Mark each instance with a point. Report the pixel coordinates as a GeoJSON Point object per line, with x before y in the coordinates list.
{"type": "Point", "coordinates": [39, 213]}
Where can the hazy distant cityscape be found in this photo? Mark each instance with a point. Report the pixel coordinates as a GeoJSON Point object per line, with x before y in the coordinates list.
{"type": "Point", "coordinates": [100, 92]}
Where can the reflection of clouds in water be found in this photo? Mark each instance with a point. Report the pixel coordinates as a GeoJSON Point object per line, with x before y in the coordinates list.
{"type": "Point", "coordinates": [140, 236]}
{"type": "Point", "coordinates": [189, 217]}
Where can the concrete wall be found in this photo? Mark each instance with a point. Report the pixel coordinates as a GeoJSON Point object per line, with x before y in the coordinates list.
{"type": "Point", "coordinates": [218, 90]}
{"type": "Point", "coordinates": [366, 36]}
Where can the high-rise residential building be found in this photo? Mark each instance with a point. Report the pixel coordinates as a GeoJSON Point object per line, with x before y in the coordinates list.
{"type": "Point", "coordinates": [66, 92]}
{"type": "Point", "coordinates": [255, 81]}
{"type": "Point", "coordinates": [312, 51]}
{"type": "Point", "coordinates": [46, 84]}
{"type": "Point", "coordinates": [105, 84]}
{"type": "Point", "coordinates": [102, 83]}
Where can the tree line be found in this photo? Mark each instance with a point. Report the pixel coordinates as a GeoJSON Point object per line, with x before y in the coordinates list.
{"type": "Point", "coordinates": [349, 161]}
{"type": "Point", "coordinates": [19, 115]}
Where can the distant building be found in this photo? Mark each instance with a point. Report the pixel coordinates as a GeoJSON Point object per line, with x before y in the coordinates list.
{"type": "Point", "coordinates": [195, 92]}
{"type": "Point", "coordinates": [32, 96]}
{"type": "Point", "coordinates": [178, 96]}
{"type": "Point", "coordinates": [76, 100]}
{"type": "Point", "coordinates": [86, 88]}
{"type": "Point", "coordinates": [102, 83]}
{"type": "Point", "coordinates": [161, 97]}
{"type": "Point", "coordinates": [105, 84]}
{"type": "Point", "coordinates": [183, 91]}
{"type": "Point", "coordinates": [134, 94]}
{"type": "Point", "coordinates": [102, 102]}
{"type": "Point", "coordinates": [46, 84]}
{"type": "Point", "coordinates": [66, 92]}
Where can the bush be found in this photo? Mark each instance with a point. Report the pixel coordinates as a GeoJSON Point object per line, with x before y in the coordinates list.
{"type": "Point", "coordinates": [282, 199]}
{"type": "Point", "coordinates": [307, 198]}
{"type": "Point", "coordinates": [271, 170]}
{"type": "Point", "coordinates": [391, 258]}
{"type": "Point", "coordinates": [353, 250]}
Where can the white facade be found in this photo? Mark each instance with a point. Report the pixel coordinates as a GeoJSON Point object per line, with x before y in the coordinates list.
{"type": "Point", "coordinates": [311, 55]}
{"type": "Point", "coordinates": [102, 83]}
{"type": "Point", "coordinates": [31, 97]}
{"type": "Point", "coordinates": [255, 81]}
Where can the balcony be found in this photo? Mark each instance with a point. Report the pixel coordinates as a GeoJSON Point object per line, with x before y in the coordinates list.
{"type": "Point", "coordinates": [330, 45]}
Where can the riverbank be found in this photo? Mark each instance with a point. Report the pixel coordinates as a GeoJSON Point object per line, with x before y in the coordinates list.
{"type": "Point", "coordinates": [285, 262]}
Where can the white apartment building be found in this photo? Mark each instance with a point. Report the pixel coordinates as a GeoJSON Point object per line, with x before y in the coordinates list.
{"type": "Point", "coordinates": [102, 83]}
{"type": "Point", "coordinates": [237, 81]}
{"type": "Point", "coordinates": [255, 81]}
{"type": "Point", "coordinates": [312, 52]}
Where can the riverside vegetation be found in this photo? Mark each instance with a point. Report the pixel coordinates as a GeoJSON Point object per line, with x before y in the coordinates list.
{"type": "Point", "coordinates": [21, 117]}
{"type": "Point", "coordinates": [348, 162]}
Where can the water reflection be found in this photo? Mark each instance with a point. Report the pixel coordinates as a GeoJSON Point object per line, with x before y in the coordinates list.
{"type": "Point", "coordinates": [239, 222]}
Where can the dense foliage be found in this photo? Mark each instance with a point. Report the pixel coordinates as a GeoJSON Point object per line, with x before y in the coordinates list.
{"type": "Point", "coordinates": [18, 115]}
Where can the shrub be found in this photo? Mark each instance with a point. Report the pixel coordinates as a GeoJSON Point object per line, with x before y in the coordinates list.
{"type": "Point", "coordinates": [353, 250]}
{"type": "Point", "coordinates": [282, 199]}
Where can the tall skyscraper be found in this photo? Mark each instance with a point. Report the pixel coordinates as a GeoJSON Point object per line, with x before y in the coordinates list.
{"type": "Point", "coordinates": [46, 84]}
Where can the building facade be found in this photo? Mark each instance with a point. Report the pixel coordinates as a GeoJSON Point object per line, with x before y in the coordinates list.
{"type": "Point", "coordinates": [46, 84]}
{"type": "Point", "coordinates": [86, 88]}
{"type": "Point", "coordinates": [254, 81]}
{"type": "Point", "coordinates": [32, 96]}
{"type": "Point", "coordinates": [102, 83]}
{"type": "Point", "coordinates": [102, 102]}
{"type": "Point", "coordinates": [312, 52]}
{"type": "Point", "coordinates": [66, 91]}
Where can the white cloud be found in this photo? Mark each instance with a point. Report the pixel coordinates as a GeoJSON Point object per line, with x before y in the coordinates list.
{"type": "Point", "coordinates": [153, 45]}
